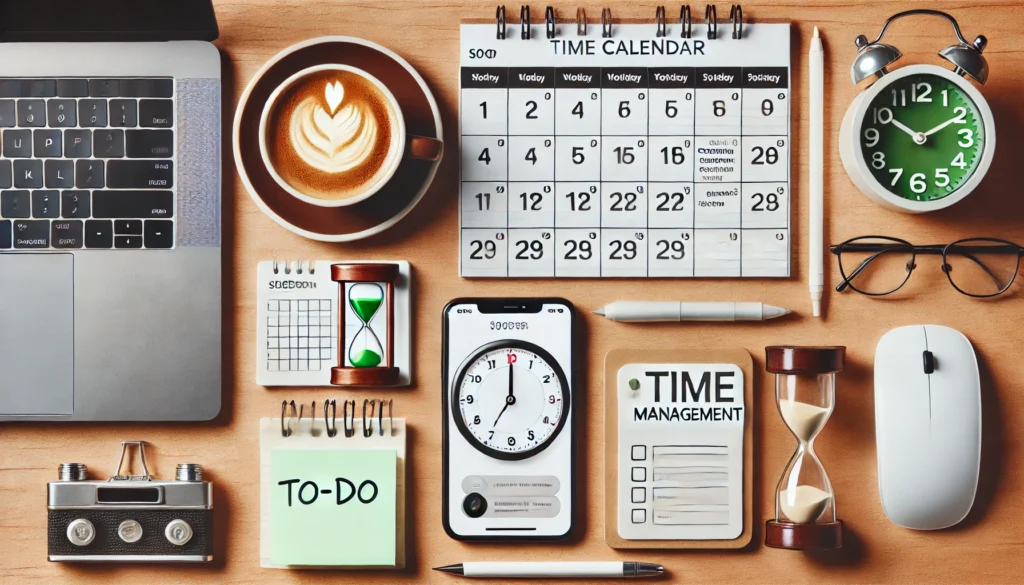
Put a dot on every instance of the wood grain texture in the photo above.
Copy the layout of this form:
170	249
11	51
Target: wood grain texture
987	548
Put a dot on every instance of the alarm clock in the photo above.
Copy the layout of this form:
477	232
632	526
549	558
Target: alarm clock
922	137
508	404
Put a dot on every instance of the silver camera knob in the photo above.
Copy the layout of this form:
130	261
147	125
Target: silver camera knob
81	532
130	531
72	472
178	532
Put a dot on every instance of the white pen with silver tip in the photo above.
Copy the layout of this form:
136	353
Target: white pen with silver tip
554	570
815	243
650	311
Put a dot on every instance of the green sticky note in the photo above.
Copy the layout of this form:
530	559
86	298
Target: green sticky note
333	508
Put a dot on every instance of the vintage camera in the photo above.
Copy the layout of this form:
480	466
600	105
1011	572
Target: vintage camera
130	518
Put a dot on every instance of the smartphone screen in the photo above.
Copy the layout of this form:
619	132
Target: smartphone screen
509	399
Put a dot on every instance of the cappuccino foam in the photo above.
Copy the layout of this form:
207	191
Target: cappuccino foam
329	135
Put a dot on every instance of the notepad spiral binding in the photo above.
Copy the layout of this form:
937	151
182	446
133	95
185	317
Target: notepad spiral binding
292	414
685	22
294	266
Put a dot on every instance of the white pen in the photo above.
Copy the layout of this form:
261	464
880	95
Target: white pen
554	570
815	243
676	311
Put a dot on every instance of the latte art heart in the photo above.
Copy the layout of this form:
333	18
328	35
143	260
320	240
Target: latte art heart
336	140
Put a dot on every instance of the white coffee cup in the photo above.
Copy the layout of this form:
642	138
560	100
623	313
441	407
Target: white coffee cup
400	145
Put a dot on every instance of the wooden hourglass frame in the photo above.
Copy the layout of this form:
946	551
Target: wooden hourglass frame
385	374
805	506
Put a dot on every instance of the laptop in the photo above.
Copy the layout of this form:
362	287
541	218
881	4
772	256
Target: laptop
110	210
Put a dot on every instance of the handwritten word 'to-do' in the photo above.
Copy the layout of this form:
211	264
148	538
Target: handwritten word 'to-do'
309	491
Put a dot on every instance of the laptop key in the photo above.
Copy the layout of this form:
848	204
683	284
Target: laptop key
92	113
104	88
59	174
31	234
47	143
45	204
159	233
89	174
127	241
15	204
73	88
147	88
133	204
67	234
77	143
10	88
5	174
5	235
128	227
28	174
74	204
38	88
140	174
99	233
8	119
17	143
124	113
156	113
62	113
149	143
108	143
32	113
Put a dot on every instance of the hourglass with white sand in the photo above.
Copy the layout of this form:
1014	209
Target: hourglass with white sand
805	507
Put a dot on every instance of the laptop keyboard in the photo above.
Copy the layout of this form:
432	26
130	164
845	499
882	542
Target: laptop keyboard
86	163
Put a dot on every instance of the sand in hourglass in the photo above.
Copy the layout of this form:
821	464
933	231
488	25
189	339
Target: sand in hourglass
803	504
366	308
804	419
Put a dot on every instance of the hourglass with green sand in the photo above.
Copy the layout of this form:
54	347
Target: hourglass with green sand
365	292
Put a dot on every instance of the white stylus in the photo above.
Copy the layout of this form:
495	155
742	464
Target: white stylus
815	242
676	311
552	570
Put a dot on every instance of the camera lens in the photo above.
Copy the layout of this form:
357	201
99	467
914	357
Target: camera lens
474	505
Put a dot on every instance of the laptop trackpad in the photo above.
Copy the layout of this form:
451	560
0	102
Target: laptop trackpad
37	334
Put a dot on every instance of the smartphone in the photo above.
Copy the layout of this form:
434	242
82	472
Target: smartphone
509	402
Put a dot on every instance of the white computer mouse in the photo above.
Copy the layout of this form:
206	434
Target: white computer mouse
927	425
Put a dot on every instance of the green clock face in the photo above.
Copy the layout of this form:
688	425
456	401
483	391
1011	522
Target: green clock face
922	137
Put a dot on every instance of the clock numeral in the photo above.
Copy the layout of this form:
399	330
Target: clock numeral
511	441
547	379
958	161
941	177
872	136
920	92
476	379
918	183
551	399
881	115
966	138
878	160
529	435
491	364
476	419
898	173
491	435
945	98
961	115
469	399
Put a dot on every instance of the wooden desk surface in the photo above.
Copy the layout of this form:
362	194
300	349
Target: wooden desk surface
988	547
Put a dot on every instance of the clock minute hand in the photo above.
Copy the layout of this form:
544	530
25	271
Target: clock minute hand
941	126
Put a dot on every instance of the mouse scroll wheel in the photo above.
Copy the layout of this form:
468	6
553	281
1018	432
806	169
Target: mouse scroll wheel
929	362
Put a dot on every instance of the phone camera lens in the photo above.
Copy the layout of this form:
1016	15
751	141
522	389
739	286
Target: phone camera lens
474	505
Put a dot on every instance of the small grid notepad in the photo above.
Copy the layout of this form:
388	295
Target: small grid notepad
300	336
638	155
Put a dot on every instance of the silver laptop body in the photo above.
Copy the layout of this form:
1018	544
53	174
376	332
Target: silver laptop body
117	325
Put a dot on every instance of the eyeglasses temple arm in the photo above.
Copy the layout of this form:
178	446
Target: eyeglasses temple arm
846	281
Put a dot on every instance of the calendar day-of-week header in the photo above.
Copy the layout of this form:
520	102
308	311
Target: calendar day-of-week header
625	77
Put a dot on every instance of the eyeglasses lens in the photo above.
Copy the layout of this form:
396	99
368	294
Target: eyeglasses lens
981	267
876	266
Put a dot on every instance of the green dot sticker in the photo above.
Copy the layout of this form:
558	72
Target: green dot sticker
634	384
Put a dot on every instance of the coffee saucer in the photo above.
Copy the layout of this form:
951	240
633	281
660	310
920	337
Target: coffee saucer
366	218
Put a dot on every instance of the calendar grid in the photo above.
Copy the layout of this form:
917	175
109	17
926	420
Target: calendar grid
577	168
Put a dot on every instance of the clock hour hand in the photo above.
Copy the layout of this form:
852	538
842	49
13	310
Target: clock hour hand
919	137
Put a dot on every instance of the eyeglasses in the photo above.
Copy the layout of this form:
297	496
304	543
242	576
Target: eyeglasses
879	265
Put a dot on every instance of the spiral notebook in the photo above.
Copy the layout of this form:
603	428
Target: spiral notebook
625	150
297	322
332	486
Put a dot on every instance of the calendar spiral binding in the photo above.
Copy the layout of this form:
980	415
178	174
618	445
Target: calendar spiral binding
292	415
294	266
661	28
